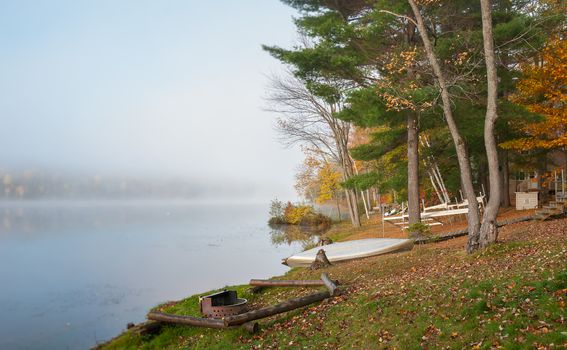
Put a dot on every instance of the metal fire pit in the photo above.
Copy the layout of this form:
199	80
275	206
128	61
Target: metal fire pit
221	304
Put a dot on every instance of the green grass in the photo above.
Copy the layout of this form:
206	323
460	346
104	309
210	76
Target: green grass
511	296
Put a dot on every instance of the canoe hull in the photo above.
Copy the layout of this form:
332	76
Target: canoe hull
350	250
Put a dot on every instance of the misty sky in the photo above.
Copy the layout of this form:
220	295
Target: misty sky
158	88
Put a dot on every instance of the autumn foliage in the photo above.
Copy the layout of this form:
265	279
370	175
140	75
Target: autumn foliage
543	91
295	214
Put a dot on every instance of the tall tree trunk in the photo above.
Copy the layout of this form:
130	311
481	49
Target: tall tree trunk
483	178
413	171
352	199
341	139
489	229
352	202
504	178
462	154
356	211
338	207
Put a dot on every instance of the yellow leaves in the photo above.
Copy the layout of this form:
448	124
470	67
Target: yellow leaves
454	335
401	79
317	179
293	214
426	2
462	58
329	180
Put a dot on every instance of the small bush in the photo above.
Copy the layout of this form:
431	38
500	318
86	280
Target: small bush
293	214
276	220
419	228
276	213
315	220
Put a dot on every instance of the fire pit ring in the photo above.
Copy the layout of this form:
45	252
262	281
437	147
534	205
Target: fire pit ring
221	304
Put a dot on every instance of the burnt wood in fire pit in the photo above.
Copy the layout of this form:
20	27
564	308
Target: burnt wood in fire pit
221	304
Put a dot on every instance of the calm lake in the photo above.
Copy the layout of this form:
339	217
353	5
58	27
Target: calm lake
74	274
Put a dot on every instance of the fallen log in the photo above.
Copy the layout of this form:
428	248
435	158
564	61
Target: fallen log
287	283
145	328
251	327
285	306
186	320
256	289
157	318
450	235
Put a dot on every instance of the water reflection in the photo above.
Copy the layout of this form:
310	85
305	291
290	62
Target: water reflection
74	274
38	217
289	234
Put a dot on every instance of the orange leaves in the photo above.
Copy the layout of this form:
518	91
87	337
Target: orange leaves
543	91
400	63
397	103
400	81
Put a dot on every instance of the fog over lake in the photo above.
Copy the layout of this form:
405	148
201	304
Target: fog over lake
75	273
146	90
136	160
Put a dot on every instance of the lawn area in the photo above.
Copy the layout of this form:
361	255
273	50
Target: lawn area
511	296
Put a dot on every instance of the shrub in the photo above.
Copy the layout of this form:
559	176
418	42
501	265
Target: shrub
293	214
419	228
276	209
315	220
276	220
276	213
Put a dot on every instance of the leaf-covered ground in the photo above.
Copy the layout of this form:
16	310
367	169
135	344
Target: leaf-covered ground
510	296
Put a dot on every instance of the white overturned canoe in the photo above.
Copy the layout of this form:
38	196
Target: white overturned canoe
349	250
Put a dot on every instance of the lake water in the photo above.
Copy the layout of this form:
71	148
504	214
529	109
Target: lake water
74	274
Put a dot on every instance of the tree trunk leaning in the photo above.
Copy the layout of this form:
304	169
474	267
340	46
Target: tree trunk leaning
473	216
348	172
489	229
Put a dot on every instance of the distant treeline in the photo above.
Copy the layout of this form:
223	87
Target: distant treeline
38	185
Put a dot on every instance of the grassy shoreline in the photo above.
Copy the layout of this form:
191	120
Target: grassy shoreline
511	295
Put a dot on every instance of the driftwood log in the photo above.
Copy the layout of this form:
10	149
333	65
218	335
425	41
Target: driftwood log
287	283
258	285
282	307
285	306
320	261
186	320
246	319
255	289
251	327
146	328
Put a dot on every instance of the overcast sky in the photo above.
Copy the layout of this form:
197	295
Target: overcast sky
163	88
